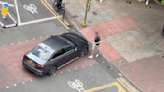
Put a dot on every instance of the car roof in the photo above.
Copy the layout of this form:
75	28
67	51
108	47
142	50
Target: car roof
55	42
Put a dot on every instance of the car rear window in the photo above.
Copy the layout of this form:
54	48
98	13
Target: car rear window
41	53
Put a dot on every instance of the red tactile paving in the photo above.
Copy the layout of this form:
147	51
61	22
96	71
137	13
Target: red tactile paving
12	71
146	73
107	29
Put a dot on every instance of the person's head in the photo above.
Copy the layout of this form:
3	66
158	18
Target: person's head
96	33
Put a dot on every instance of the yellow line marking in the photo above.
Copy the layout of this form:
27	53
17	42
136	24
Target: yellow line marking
120	89
123	80
53	14
54	11
124	85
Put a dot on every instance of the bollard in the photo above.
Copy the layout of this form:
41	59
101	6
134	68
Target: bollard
128	2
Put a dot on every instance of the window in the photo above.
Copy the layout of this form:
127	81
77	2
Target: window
60	52
68	48
41	53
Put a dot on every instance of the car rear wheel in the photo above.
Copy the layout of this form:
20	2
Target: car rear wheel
84	52
52	70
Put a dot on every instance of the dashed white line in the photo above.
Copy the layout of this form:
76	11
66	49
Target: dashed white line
7	87
15	84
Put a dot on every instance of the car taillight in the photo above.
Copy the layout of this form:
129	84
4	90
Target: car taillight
40	67
24	58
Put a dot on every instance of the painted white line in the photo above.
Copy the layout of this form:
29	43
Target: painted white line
15	84
32	8
61	72
16	7
4	45
31	80
97	63
7	87
12	18
69	70
19	42
33	38
40	37
36	21
23	82
26	40
90	65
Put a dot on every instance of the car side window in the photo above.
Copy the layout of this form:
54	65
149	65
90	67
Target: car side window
59	53
68	48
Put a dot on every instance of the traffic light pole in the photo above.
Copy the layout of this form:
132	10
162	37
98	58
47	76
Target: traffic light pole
86	11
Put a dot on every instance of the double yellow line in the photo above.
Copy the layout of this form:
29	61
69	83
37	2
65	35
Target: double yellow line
50	8
125	84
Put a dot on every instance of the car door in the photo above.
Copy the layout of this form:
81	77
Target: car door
58	58
70	53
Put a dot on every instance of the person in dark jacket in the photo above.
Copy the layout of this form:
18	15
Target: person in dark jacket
95	45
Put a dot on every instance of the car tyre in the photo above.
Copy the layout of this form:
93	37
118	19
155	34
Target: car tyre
84	52
52	70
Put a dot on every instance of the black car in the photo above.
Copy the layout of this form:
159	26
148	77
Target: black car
54	53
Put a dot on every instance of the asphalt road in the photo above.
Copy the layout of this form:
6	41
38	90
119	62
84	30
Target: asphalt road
95	75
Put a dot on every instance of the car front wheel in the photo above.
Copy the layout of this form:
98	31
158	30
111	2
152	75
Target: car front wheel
84	52
52	70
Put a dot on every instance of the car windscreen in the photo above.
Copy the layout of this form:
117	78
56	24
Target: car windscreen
41	53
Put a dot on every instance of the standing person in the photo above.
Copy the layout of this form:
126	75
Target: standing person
95	45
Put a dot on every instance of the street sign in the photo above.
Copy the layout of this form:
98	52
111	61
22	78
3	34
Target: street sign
4	10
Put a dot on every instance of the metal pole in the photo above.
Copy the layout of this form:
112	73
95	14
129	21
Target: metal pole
85	18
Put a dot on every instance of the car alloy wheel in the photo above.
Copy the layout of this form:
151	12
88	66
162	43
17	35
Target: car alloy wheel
52	70
84	52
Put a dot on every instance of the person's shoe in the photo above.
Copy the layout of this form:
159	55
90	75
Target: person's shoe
90	57
97	55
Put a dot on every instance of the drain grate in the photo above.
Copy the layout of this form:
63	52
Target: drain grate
75	16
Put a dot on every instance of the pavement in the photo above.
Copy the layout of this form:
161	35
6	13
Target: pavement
34	26
131	37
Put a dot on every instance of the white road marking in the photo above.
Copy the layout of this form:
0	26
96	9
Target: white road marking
36	21
68	70
60	32
90	65
7	87
19	42
33	38
83	66
26	40
47	35
4	45
32	8
12	43
31	80
76	85
103	61
40	37
54	74
23	82
15	84
17	11
75	68
61	72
